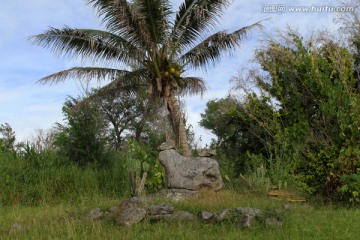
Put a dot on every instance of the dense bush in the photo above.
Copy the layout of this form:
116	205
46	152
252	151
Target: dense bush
301	122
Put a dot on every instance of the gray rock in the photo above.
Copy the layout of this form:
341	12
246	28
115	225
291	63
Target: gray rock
131	216
160	209
273	222
246	221
95	214
130	203
207	217
167	146
287	207
206	152
222	215
157	218
181	194
176	216
249	211
190	173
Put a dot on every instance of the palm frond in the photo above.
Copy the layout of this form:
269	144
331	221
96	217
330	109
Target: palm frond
84	73
155	14
193	86
123	18
211	49
129	82
88	44
194	18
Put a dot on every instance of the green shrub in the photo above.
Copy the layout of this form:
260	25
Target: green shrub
350	189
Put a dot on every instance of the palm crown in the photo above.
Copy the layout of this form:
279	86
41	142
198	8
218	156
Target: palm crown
146	44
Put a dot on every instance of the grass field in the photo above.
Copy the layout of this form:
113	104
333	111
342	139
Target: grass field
67	221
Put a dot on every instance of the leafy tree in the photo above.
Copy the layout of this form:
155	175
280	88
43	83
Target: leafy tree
157	44
127	114
216	120
83	138
238	131
7	139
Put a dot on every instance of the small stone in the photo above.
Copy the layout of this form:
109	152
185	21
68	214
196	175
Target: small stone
246	221
167	146
206	153
95	214
130	203
131	216
287	207
222	215
160	209
181	194
249	211
273	222
207	217
176	216
157	218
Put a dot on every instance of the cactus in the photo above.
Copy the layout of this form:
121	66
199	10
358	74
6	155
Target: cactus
134	168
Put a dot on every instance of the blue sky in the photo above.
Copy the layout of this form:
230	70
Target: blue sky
28	106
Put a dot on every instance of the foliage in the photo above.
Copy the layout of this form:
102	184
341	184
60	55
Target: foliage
241	128
83	138
318	107
142	160
127	115
301	121
258	180
349	190
7	139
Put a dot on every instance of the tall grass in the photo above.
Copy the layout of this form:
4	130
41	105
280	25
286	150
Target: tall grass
44	178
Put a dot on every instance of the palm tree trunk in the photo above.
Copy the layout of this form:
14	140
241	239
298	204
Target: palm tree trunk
179	123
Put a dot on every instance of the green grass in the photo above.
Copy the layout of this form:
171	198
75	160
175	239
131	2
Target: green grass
67	221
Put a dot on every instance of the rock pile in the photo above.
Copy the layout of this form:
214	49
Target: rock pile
128	214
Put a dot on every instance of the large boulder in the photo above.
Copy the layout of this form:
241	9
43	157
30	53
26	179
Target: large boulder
191	173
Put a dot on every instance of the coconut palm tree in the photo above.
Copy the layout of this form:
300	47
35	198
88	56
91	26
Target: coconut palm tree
146	44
